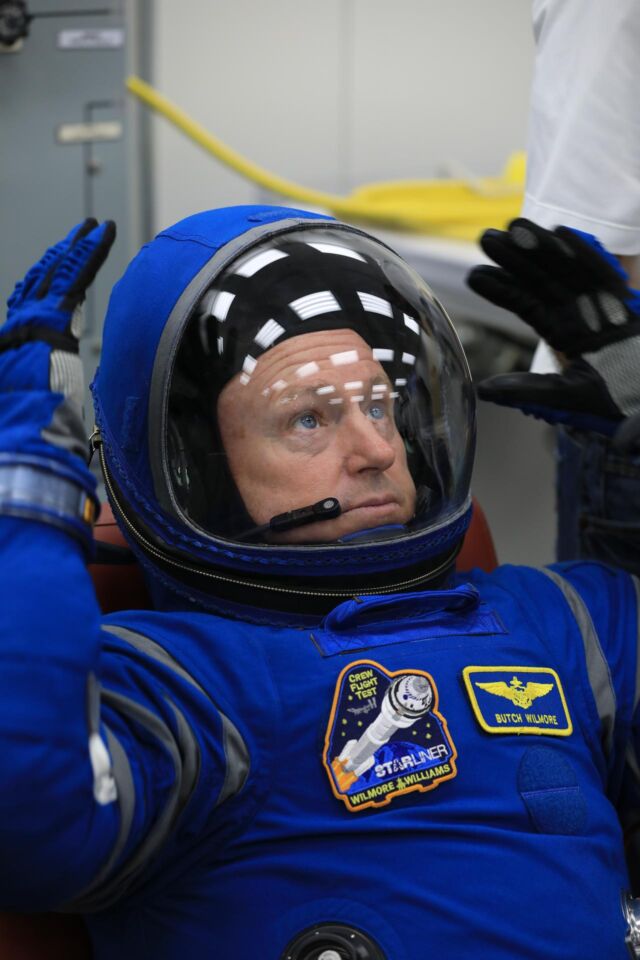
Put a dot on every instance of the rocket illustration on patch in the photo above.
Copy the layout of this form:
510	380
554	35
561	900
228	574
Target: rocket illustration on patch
385	736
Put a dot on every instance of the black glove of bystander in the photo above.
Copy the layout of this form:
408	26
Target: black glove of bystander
575	295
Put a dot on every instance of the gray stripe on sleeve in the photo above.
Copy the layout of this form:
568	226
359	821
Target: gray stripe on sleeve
105	890
126	795
153	650
183	748
191	758
126	804
93	703
99	895
238	763
597	666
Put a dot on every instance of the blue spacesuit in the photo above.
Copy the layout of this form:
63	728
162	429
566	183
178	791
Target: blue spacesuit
319	745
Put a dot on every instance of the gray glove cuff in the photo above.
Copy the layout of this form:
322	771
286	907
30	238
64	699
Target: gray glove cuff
619	366
35	488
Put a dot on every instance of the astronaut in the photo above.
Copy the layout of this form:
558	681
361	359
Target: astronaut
319	744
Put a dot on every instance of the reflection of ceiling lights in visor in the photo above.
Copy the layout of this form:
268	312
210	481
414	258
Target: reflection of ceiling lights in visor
407	699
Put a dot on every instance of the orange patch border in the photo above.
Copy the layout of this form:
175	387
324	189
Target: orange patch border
414	788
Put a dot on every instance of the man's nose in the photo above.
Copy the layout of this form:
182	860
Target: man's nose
367	447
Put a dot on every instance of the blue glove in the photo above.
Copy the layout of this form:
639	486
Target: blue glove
43	448
574	294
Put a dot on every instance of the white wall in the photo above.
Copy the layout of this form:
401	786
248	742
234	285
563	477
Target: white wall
335	93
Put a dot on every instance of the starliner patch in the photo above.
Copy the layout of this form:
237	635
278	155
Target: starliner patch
518	700
385	736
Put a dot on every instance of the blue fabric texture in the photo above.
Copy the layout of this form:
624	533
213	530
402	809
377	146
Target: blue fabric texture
353	624
550	789
286	844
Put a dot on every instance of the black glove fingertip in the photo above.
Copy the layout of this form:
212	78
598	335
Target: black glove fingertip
110	232
477	276
85	228
494	388
78	289
491	240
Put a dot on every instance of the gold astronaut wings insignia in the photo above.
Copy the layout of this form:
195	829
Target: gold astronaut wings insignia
516	691
518	699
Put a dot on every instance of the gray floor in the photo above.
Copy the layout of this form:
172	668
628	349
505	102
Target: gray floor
514	481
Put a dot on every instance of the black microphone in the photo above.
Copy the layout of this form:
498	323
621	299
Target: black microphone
325	509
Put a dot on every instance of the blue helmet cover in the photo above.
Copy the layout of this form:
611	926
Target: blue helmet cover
162	279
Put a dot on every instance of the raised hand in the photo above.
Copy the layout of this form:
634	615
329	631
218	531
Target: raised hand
45	307
574	294
43	448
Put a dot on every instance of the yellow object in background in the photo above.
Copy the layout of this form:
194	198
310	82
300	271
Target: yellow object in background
459	209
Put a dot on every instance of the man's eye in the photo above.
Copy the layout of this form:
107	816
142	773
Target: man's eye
377	411
307	420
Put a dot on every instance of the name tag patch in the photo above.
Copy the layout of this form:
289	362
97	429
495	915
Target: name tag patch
518	700
385	736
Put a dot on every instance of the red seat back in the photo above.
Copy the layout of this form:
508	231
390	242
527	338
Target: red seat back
44	936
118	586
478	549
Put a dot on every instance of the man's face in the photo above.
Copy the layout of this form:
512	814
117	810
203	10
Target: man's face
315	420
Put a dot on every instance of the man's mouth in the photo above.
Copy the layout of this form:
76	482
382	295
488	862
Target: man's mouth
373	503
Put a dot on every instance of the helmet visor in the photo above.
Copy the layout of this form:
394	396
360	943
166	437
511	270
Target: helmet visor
317	366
